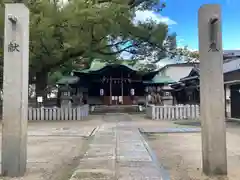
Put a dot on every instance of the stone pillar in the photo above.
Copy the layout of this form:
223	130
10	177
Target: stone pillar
212	91
15	90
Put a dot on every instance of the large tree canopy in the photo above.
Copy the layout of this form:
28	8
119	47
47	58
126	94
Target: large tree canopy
80	30
189	55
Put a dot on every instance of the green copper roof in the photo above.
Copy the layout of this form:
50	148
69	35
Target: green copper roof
98	65
158	79
68	80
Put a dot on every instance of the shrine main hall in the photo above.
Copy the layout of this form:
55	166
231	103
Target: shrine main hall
115	84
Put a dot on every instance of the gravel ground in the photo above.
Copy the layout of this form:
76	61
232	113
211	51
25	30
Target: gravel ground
180	154
55	148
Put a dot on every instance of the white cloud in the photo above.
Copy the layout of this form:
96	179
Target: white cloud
143	16
150	15
181	43
180	40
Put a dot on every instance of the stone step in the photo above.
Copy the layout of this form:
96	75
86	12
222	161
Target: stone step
120	108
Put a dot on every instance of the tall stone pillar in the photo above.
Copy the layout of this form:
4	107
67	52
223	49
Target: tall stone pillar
212	91
15	90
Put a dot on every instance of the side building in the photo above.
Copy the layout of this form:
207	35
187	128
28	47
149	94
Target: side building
187	90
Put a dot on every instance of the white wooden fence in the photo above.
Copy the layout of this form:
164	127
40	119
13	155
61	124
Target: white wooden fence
74	113
173	112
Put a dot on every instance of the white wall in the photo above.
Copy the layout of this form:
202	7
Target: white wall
177	72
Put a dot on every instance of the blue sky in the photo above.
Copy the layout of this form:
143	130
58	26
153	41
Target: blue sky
181	15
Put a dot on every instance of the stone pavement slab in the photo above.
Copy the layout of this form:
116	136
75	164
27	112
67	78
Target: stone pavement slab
170	130
80	131
99	161
117	152
133	159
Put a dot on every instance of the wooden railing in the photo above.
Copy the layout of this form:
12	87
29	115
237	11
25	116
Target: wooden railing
74	113
173	112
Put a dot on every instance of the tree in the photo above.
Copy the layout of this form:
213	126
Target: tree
147	67
96	29
194	55
63	34
190	56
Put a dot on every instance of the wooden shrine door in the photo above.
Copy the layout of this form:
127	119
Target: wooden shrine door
116	92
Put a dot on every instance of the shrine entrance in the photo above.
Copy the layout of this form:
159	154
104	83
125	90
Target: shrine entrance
117	91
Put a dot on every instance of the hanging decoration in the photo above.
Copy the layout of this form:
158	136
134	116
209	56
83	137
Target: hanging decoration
132	92
101	92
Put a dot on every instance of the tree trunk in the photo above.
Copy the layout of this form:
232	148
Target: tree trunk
41	84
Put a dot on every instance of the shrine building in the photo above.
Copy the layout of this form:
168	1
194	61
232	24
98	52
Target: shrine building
115	84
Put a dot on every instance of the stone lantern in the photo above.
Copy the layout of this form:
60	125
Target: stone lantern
65	98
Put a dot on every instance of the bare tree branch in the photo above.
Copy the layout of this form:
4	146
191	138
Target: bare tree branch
116	52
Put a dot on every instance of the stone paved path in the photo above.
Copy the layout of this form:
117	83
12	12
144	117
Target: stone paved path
117	152
170	130
82	131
